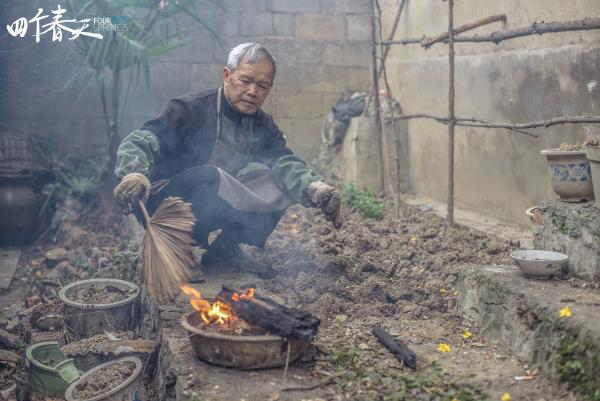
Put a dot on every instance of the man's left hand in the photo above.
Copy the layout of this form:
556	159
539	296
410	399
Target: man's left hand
328	199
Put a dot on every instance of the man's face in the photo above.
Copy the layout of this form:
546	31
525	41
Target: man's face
247	87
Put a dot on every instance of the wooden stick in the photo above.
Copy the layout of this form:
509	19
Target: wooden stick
472	122
387	179
375	93
426	43
450	204
387	48
537	28
287	359
322	383
396	347
383	70
144	212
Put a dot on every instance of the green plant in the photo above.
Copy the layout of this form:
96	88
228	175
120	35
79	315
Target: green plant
362	201
80	176
152	31
344	356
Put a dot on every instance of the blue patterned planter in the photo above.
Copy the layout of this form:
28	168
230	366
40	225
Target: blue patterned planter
593	155
571	174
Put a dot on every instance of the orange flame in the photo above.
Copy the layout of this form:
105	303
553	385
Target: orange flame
217	312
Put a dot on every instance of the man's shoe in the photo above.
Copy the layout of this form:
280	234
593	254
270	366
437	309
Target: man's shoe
225	254
197	275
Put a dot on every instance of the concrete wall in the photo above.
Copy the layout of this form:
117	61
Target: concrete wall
498	172
321	47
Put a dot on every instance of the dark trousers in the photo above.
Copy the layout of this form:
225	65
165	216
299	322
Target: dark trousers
200	186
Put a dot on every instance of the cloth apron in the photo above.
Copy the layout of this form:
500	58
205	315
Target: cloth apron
254	191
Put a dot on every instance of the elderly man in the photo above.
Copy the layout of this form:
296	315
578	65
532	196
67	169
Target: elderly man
219	151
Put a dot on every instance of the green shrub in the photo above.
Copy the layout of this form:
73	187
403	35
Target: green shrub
362	201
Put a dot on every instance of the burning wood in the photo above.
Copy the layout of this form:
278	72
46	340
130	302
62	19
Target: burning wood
246	313
268	314
218	315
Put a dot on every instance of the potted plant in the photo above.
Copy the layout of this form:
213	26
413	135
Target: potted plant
592	152
570	172
115	380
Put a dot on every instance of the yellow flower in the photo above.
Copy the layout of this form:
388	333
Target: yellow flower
443	291
414	238
467	334
443	347
565	312
454	399
506	397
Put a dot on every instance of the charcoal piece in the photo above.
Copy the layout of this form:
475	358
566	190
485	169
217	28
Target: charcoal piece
396	347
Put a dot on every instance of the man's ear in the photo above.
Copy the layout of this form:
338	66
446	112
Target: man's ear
226	73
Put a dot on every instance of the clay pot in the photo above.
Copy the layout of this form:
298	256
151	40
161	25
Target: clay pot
85	320
19	207
131	389
571	174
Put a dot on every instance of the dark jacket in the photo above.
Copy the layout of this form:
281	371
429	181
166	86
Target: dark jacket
186	131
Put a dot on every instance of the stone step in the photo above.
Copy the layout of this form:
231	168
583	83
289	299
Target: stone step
574	229
525	315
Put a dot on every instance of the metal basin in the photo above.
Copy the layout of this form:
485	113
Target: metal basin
540	264
242	352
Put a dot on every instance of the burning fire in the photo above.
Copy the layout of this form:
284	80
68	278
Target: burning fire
217	312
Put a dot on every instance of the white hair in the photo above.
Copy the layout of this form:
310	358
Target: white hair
249	53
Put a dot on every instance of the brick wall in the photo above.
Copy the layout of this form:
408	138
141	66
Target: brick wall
322	48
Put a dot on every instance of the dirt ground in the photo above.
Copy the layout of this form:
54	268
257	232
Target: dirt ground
397	273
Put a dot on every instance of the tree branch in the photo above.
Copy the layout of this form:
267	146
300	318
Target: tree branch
426	43
386	50
518	127
537	28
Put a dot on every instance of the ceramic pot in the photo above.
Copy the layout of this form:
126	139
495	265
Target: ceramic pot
593	155
571	174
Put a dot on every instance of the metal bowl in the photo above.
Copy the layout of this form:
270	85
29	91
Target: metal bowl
540	264
242	352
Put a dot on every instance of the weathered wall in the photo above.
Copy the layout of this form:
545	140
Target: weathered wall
498	172
321	47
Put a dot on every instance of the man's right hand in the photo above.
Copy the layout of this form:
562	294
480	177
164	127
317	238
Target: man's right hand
132	188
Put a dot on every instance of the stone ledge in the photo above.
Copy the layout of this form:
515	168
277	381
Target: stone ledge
574	229
524	315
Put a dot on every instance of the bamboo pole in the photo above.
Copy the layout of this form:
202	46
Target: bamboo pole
450	205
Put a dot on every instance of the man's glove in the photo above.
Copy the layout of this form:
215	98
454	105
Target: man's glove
328	199
132	188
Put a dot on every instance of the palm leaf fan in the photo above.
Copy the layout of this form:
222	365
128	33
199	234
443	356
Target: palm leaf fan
168	248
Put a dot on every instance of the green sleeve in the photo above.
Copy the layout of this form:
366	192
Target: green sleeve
293	176
136	153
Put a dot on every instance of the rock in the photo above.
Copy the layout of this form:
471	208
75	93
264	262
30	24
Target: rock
71	235
8	340
8	356
61	271
32	301
55	256
3	321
